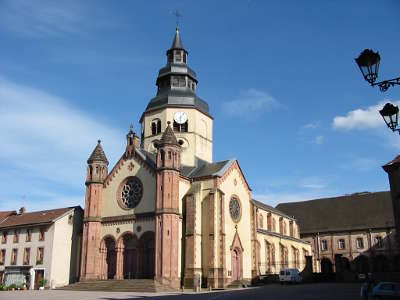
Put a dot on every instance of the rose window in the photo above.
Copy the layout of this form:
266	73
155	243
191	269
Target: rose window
131	193
234	209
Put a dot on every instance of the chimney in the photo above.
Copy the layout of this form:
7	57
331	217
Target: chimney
22	210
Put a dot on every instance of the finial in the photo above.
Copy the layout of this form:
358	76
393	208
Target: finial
131	127
98	141
168	123
177	15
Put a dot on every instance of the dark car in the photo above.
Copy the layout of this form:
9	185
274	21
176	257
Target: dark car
386	290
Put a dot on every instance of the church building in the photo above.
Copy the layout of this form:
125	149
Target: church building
168	212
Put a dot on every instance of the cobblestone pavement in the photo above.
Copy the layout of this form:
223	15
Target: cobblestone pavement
327	291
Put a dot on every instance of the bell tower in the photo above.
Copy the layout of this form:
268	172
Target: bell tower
167	209
177	102
96	173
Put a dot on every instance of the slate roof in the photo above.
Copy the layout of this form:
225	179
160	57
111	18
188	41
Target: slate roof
177	98
37	217
98	154
350	212
211	169
270	208
177	42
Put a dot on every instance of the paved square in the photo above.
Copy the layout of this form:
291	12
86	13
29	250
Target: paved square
326	291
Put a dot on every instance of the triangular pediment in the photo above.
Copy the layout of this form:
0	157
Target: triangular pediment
237	243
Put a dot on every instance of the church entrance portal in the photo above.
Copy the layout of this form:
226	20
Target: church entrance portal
137	256
236	264
109	258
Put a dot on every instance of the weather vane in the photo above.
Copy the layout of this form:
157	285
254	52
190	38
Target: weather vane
177	14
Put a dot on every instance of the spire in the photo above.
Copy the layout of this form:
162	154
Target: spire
98	154
177	42
168	136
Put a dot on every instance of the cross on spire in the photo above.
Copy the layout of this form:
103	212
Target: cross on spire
177	15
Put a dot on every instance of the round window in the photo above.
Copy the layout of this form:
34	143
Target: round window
234	209
131	192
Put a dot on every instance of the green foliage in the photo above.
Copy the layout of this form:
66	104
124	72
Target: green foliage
12	286
2	287
42	282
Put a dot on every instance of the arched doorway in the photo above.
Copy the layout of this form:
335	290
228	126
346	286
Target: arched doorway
130	256
345	264
236	264
146	255
109	258
326	265
361	264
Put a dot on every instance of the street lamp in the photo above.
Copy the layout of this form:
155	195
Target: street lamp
368	62
390	114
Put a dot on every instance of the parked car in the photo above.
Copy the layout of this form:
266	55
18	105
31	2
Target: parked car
289	275
386	290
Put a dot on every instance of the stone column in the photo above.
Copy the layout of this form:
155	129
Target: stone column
119	274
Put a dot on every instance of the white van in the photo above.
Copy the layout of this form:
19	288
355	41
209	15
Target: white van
289	275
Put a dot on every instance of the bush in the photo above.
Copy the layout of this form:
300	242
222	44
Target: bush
42	282
2	287
12	286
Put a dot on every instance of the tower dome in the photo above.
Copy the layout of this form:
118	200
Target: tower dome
177	82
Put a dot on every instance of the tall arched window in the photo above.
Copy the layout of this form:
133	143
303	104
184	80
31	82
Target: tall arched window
260	221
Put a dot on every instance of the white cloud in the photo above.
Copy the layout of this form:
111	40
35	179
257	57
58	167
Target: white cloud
47	18
319	139
362	118
46	139
250	103
312	125
312	182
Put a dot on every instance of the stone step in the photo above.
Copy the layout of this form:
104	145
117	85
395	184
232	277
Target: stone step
132	285
237	284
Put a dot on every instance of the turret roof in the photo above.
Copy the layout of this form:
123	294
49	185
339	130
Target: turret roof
98	154
177	42
168	136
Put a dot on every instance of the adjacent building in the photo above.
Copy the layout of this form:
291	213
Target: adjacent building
40	245
357	231
278	240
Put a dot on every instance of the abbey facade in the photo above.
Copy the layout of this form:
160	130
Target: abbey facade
167	211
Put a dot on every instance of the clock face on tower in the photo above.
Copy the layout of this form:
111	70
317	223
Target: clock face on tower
180	117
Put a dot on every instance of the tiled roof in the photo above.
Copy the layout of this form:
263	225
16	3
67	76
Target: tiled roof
5	214
98	154
350	212
37	217
392	164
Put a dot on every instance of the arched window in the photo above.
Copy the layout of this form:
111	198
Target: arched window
181	127
155	126
260	221
378	242
269	222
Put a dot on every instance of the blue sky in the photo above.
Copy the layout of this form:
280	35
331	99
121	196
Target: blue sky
279	76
